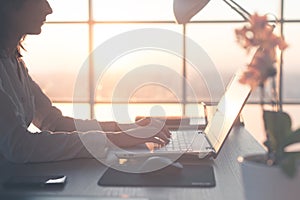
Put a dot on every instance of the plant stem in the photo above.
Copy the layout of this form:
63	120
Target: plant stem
262	103
262	95
275	102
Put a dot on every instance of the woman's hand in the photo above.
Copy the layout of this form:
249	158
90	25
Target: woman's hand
145	130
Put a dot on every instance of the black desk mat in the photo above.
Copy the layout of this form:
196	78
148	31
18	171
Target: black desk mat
190	176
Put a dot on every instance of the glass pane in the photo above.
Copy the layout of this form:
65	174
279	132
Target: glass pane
143	65
195	110
291	10
294	112
55	57
136	10
77	110
291	70
69	10
145	75
105	32
219	10
126	113
225	53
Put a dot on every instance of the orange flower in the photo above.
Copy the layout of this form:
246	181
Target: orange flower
258	22
251	77
259	35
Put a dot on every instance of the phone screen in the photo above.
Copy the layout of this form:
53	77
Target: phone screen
35	181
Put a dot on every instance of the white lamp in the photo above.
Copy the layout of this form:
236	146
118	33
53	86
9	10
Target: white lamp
184	10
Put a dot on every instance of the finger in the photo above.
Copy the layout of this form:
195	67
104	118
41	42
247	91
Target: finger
157	141
163	137
162	126
167	132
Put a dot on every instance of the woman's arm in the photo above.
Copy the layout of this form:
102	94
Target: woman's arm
48	117
19	145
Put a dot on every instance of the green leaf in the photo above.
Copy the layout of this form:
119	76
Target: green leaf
267	143
292	138
288	163
278	128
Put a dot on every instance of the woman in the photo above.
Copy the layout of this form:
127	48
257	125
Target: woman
22	102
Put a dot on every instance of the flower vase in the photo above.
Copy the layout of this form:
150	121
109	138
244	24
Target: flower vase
263	182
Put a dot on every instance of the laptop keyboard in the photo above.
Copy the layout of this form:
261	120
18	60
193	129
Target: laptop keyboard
180	141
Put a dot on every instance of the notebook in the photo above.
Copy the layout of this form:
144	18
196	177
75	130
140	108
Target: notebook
204	143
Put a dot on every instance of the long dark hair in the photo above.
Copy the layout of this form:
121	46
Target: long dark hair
4	4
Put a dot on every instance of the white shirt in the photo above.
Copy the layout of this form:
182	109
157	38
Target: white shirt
22	102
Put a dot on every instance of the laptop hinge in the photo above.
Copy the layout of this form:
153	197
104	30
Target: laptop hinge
210	145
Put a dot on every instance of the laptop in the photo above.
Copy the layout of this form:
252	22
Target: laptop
205	143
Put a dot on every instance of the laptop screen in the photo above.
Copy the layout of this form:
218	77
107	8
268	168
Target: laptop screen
227	111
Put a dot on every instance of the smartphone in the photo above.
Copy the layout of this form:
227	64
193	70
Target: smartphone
53	181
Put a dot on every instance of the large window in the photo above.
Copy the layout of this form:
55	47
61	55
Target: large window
139	80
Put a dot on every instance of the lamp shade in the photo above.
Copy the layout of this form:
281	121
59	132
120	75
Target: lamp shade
184	10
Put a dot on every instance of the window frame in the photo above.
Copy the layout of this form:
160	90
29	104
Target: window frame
91	23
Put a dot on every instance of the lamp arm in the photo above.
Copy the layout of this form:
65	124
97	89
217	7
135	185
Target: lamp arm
239	9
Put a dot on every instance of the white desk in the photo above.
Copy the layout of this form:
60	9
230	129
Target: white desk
83	175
